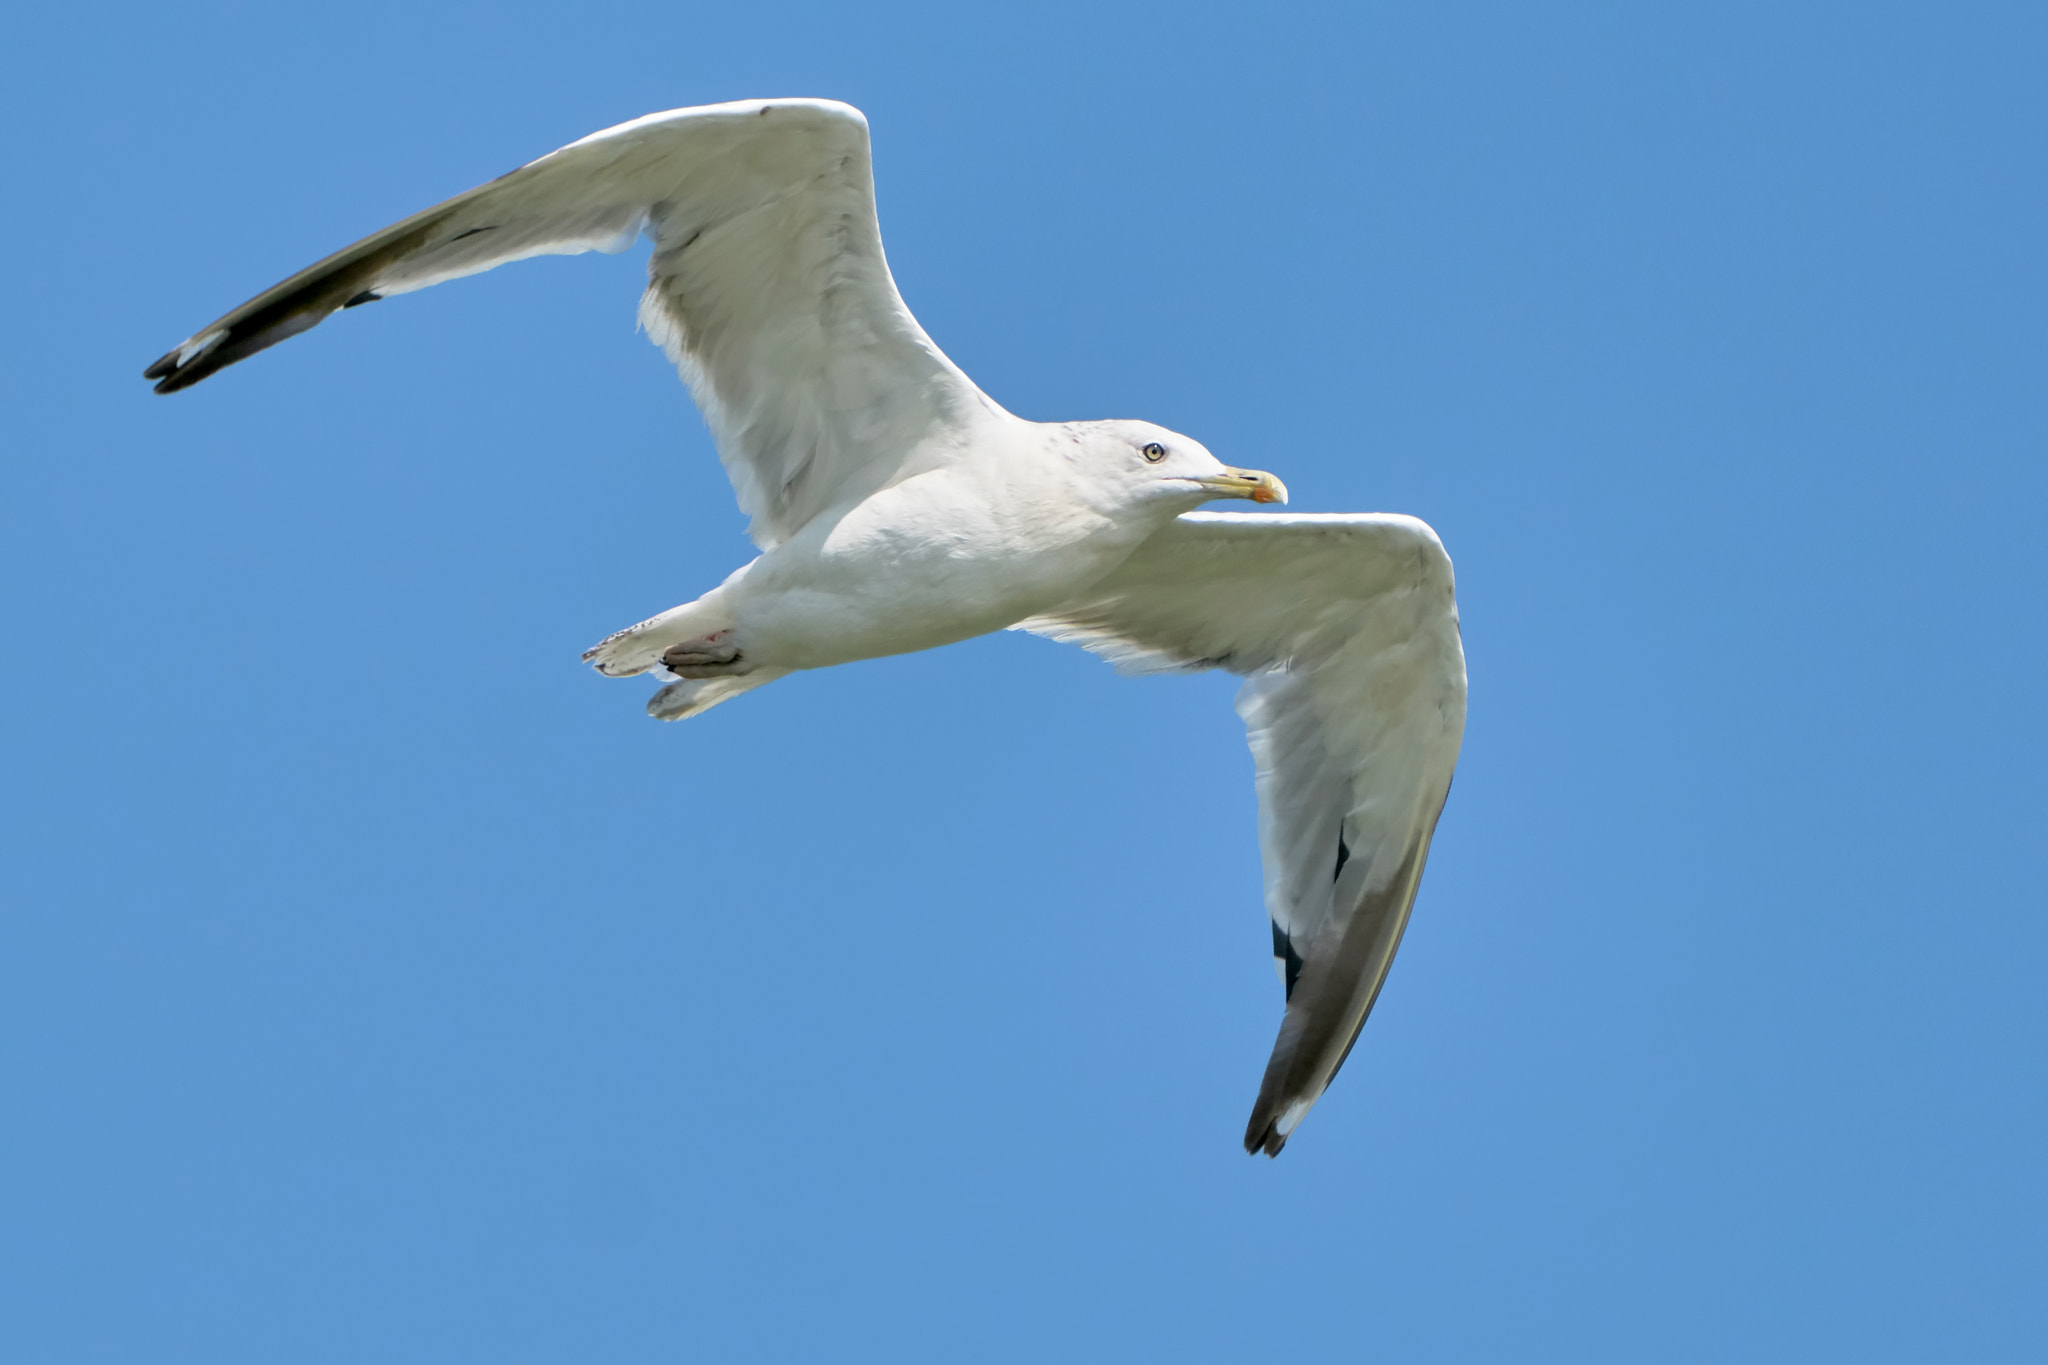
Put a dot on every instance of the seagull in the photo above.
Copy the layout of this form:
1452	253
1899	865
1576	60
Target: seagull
897	507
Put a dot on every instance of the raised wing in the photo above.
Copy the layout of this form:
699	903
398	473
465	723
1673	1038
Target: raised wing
767	288
1354	701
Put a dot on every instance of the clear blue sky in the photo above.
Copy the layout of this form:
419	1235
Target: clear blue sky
377	984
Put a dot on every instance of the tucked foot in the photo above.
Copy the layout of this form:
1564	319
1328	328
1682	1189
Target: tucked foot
709	656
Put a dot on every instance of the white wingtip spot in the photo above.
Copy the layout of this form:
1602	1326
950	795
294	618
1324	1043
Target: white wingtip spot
200	345
1292	1115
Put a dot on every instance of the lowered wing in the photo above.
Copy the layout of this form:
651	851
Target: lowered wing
1346	629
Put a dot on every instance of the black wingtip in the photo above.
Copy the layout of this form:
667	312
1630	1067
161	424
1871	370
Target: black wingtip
171	377
239	340
292	307
173	373
1263	1137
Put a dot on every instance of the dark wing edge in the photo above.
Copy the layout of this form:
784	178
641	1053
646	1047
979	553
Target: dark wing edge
301	302
1329	1000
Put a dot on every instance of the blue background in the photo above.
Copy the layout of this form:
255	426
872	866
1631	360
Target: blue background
376	983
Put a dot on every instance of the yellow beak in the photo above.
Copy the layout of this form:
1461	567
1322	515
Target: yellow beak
1255	484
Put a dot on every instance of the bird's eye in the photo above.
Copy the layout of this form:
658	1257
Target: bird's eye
1153	451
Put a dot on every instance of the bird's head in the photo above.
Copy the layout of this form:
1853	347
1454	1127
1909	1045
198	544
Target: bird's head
1152	466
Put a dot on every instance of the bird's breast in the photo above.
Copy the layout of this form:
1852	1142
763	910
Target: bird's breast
927	562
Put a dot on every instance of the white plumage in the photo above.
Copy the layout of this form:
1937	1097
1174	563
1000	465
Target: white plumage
899	508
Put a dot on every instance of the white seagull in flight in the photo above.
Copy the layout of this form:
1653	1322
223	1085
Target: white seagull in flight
897	507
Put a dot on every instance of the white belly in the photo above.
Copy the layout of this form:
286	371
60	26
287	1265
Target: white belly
930	561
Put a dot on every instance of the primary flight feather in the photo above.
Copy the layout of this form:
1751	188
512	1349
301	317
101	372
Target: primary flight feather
897	508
